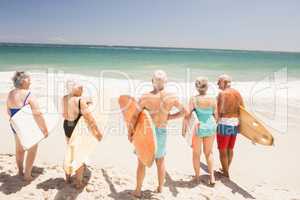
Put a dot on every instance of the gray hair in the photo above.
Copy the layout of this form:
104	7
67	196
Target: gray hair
159	78
201	84
19	77
226	78
72	84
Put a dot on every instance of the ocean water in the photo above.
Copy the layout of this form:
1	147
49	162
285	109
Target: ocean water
140	62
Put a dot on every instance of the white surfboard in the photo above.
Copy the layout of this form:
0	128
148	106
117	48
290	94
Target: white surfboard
81	145
26	127
193	124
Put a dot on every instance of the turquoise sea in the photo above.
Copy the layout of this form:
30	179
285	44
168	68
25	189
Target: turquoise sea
139	62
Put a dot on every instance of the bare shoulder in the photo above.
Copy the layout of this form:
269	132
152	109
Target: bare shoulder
145	97
32	98
10	93
235	92
171	99
220	94
170	95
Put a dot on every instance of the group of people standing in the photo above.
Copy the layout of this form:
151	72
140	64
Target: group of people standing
218	117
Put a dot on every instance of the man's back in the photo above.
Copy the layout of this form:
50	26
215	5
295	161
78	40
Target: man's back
229	102
159	105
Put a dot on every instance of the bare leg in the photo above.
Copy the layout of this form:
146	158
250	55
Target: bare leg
79	177
31	154
197	147
224	161
140	175
208	145
230	156
19	156
161	172
68	176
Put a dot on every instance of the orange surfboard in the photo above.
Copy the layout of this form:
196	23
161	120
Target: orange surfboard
253	129
144	138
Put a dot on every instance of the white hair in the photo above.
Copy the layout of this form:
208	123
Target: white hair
201	84
226	78
72	84
159	78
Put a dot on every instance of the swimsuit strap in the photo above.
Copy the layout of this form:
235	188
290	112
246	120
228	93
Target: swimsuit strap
26	99
79	107
197	103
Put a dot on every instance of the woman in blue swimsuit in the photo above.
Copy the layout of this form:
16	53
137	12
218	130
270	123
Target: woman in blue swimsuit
206	110
17	98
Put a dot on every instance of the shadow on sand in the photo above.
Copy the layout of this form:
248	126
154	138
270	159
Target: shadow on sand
125	194
12	184
65	191
235	188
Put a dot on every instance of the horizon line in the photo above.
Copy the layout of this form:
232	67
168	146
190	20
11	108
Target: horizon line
141	46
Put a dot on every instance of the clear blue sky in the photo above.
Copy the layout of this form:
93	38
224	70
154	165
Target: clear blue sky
233	24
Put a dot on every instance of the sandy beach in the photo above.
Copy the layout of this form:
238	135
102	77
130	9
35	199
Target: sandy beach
257	172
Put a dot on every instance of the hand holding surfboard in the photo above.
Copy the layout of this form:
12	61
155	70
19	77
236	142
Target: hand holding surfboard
189	128
141	127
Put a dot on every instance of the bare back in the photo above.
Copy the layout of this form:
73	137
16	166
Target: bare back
70	107
159	105
204	102
229	102
16	98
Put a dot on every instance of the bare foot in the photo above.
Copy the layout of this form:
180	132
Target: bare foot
68	179
78	185
136	194
158	190
196	179
226	174
21	173
28	178
212	181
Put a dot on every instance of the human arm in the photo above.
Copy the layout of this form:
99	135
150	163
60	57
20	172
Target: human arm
215	106
88	116
219	103
187	116
38	115
179	106
7	107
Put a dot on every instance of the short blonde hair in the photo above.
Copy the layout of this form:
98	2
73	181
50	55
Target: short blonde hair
201	84
19	77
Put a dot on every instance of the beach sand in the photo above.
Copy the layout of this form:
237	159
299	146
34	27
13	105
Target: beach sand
257	172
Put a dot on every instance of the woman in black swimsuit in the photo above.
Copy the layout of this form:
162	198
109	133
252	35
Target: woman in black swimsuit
69	126
75	107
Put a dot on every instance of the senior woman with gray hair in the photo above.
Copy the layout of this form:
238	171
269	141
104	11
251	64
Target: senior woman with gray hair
74	107
18	98
207	114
